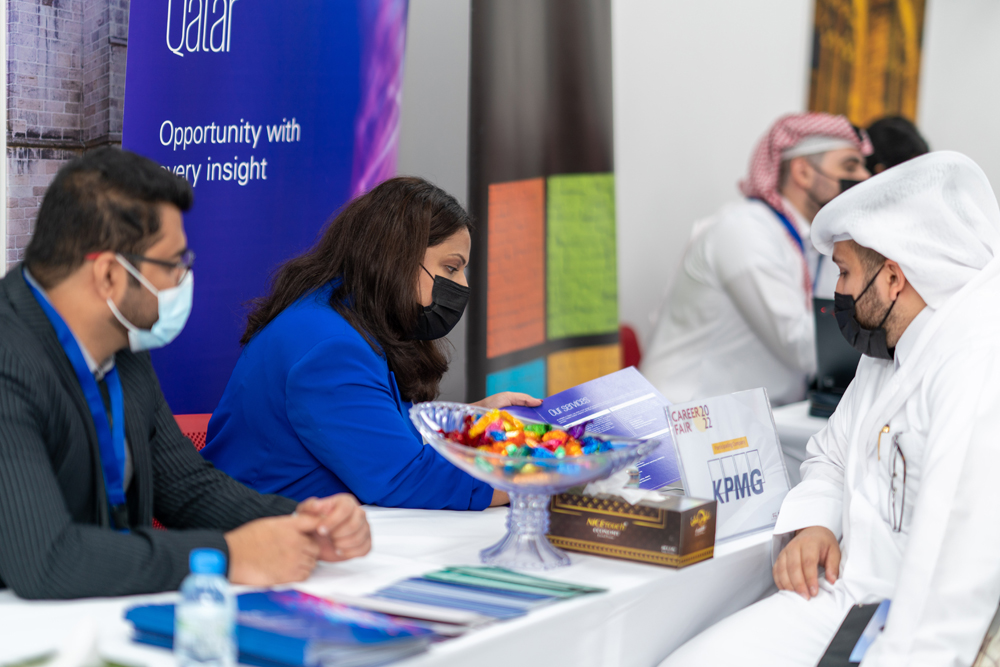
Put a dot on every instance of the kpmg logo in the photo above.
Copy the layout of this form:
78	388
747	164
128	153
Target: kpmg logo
736	477
199	25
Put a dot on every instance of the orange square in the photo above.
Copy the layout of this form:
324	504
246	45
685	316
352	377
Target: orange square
515	295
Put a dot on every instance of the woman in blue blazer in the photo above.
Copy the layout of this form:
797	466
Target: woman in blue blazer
344	343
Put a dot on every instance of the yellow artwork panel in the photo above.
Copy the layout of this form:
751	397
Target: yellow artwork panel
569	368
866	58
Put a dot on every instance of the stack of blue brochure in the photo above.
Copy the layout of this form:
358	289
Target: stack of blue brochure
293	629
489	591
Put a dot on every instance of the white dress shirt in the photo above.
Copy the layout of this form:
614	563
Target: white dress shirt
738	315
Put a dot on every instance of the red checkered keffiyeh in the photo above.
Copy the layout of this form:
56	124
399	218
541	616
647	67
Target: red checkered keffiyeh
786	133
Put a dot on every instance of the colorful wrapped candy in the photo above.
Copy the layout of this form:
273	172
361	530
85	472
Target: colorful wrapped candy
499	432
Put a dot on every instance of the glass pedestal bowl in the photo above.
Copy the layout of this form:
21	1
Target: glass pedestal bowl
530	481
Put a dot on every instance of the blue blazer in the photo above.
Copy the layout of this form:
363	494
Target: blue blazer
312	410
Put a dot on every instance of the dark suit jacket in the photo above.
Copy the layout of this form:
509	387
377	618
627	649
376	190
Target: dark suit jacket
55	535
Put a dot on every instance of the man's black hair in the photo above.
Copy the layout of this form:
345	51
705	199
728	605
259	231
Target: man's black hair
895	140
105	200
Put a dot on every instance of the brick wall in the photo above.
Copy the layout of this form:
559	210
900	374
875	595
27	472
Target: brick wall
65	90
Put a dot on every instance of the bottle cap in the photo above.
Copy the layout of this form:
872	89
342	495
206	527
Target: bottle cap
207	561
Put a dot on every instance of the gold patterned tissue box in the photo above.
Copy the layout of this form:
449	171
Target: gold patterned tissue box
675	531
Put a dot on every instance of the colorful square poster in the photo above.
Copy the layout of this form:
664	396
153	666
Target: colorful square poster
581	271
515	306
569	368
527	378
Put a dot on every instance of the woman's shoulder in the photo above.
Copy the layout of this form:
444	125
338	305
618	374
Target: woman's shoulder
310	321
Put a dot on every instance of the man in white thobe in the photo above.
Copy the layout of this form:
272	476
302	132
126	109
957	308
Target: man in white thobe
899	496
738	314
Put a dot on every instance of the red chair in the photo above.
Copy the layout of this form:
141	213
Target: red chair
195	428
631	354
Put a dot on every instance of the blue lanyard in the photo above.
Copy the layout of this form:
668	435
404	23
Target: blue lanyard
111	437
790	228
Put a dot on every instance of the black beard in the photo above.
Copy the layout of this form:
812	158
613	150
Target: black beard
133	310
869	319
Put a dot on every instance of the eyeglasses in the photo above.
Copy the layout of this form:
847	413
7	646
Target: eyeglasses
897	485
182	266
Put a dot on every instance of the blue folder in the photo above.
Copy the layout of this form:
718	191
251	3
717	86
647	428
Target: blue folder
293	629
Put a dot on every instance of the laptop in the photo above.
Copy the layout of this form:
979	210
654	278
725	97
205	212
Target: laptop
836	361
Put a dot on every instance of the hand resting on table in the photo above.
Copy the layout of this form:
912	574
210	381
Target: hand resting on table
283	549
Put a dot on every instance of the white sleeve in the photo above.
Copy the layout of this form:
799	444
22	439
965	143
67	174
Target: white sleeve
818	500
949	582
765	283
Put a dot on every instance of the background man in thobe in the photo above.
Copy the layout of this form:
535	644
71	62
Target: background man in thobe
738	314
899	498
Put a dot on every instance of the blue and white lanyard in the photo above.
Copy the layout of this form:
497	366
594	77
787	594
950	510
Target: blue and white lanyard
794	233
110	436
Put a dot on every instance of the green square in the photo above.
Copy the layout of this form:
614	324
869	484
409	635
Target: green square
582	265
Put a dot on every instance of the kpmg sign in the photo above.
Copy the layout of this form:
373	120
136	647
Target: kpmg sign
729	452
276	113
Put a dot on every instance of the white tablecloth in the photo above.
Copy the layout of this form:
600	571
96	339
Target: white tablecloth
795	427
647	612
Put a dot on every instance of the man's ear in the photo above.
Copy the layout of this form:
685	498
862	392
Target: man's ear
109	277
800	173
897	280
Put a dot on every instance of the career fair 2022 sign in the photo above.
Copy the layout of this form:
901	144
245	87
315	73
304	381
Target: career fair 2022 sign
277	113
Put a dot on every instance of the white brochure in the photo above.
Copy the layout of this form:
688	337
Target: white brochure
728	450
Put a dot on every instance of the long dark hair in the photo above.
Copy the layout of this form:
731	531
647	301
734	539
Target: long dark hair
375	245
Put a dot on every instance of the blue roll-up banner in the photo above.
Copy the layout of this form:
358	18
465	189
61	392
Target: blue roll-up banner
277	113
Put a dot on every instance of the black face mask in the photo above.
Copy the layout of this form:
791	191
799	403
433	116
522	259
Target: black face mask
448	300
871	342
845	185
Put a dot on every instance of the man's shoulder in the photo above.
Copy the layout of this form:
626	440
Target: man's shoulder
741	233
16	337
747	217
738	223
136	368
968	332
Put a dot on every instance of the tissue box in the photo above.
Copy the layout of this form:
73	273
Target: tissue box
675	531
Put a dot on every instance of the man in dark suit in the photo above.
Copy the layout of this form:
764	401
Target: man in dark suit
89	449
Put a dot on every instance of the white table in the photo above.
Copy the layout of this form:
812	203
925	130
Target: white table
795	426
647	612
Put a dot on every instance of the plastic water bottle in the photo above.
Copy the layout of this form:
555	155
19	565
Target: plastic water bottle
205	618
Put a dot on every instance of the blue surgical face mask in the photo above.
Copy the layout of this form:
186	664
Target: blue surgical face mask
173	305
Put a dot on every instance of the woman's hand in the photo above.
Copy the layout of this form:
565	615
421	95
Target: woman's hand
499	498
505	399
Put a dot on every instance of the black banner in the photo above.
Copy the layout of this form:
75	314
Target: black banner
543	314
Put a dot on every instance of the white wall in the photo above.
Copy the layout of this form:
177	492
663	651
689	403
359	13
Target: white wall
434	121
696	84
959	103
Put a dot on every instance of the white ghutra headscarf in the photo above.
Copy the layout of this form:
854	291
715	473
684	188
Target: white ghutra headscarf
935	215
